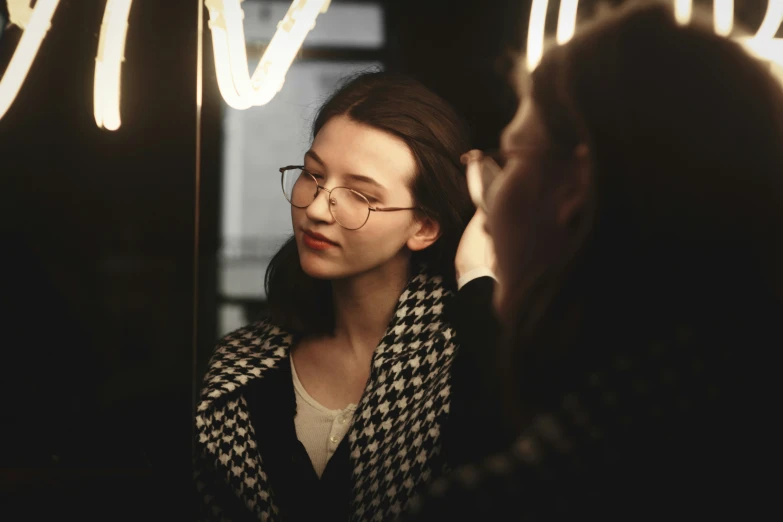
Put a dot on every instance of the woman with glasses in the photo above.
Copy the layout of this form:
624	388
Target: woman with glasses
637	228
340	405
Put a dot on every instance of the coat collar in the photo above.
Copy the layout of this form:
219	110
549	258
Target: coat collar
248	353
242	356
394	439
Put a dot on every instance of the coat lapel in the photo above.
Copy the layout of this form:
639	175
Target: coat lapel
395	436
395	439
225	433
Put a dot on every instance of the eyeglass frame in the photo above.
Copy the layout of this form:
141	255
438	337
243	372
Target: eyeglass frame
329	191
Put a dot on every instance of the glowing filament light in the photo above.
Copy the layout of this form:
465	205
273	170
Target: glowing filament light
683	11
763	44
723	15
566	20
35	24
535	33
772	19
238	88
108	64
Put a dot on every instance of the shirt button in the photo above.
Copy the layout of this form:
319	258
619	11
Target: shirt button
333	439
342	420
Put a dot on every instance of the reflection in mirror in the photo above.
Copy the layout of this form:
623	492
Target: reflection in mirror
255	218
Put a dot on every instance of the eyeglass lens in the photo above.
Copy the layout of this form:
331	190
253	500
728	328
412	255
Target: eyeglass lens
350	209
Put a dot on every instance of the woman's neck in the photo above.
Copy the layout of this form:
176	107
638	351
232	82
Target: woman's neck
364	305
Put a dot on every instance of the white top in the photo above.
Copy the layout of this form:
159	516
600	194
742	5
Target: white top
470	275
318	428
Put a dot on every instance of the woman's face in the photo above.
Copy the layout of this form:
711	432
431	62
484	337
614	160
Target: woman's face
524	205
381	167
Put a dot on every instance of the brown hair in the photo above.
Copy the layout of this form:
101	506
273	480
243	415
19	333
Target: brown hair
437	136
685	132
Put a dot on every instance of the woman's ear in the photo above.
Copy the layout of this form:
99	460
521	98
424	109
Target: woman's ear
574	187
427	231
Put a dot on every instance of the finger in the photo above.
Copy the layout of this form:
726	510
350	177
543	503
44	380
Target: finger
473	175
471	155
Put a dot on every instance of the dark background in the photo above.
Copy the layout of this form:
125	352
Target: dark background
103	340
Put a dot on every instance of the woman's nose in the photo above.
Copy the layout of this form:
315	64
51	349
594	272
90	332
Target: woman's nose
319	209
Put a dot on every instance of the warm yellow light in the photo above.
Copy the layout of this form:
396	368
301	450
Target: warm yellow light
35	24
239	89
772	19
223	70
108	64
683	11
763	44
723	16
566	20
769	49
535	33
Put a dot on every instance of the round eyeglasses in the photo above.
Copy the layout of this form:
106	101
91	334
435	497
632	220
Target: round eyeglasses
349	208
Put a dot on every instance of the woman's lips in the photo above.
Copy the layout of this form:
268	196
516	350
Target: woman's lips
316	241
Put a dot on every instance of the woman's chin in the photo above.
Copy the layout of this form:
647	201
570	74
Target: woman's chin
317	268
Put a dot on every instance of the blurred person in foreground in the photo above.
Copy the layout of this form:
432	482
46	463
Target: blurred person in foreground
637	226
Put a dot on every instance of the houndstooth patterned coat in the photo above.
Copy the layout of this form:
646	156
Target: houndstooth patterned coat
395	438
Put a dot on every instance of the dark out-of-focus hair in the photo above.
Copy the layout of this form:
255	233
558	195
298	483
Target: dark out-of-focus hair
685	133
437	136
